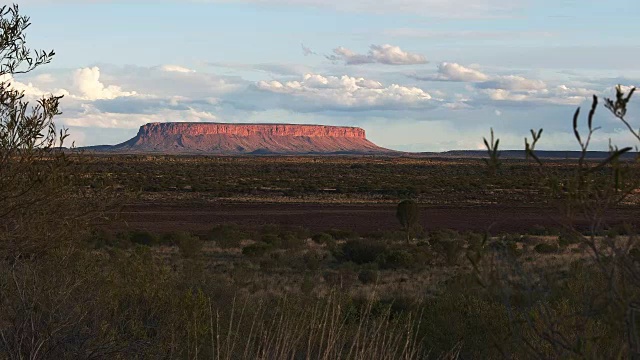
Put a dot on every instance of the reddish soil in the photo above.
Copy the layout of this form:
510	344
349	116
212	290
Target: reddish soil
198	217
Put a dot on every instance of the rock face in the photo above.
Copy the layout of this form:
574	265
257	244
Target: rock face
224	138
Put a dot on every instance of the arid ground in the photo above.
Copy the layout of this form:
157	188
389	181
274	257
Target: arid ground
193	193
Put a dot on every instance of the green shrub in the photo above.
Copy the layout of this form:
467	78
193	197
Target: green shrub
271	239
342	234
567	239
257	249
360	251
189	246
448	244
173	238
546	248
292	240
226	235
142	237
368	276
312	259
396	259
322	238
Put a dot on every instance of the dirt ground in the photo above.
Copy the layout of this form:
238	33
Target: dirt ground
199	217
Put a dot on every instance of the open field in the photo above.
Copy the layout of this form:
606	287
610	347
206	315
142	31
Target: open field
208	249
193	193
199	217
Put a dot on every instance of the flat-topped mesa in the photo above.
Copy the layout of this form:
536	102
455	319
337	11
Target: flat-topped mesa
225	138
195	129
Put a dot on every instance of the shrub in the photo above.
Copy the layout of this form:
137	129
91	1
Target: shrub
312	259
360	251
368	276
257	249
322	238
408	214
567	239
173	238
342	234
189	246
226	235
143	237
448	244
546	248
397	259
292	240
271	239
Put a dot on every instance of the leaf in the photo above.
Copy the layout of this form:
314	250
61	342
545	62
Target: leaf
593	111
575	125
616	154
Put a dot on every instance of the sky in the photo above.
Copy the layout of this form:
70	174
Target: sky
417	75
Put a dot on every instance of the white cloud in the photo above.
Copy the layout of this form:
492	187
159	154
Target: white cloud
87	82
45	78
28	89
347	92
176	68
513	83
505	95
456	72
560	95
90	116
381	54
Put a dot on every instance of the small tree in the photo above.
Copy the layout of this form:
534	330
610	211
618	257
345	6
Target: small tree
408	215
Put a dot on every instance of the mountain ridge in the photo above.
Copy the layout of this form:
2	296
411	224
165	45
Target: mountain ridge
238	138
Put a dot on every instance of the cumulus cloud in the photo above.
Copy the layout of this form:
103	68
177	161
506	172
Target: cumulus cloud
559	95
455	72
347	92
513	83
91	116
176	68
28	89
381	54
87	82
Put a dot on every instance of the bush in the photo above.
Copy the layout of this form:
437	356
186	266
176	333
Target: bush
189	246
397	259
142	237
271	239
257	249
292	240
342	234
226	235
361	251
173	238
567	239
546	248
368	276
448	244
312	259
322	238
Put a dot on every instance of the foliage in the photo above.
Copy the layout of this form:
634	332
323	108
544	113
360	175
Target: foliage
408	214
226	235
606	281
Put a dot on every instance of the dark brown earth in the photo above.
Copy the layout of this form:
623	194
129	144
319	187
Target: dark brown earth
198	217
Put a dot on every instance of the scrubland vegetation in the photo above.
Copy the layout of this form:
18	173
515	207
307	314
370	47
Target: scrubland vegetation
73	287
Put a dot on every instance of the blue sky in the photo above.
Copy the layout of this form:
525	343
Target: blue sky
419	75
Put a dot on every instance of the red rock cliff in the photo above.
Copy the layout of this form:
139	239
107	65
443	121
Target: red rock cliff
194	129
221	138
